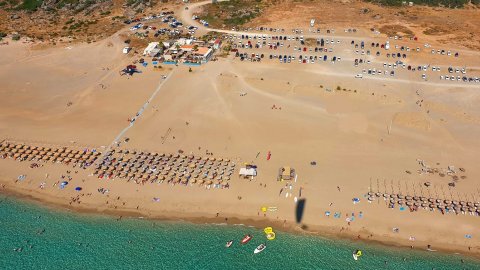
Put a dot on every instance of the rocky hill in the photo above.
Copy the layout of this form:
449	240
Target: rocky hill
60	20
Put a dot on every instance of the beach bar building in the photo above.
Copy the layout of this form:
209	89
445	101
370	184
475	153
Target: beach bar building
203	54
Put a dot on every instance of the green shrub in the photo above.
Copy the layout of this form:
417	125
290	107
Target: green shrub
30	5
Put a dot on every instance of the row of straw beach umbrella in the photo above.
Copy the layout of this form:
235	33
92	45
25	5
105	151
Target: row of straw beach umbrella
24	152
415	202
143	167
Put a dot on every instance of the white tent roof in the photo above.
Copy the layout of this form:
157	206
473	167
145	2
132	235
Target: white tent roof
248	172
151	46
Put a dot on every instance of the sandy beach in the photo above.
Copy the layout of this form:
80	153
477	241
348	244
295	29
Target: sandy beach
344	136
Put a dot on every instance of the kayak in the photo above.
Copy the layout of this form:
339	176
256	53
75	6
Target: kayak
229	243
246	239
260	248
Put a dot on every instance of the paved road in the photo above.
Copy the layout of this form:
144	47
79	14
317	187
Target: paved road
186	18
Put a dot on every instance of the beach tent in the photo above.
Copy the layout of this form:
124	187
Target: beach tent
248	172
78	188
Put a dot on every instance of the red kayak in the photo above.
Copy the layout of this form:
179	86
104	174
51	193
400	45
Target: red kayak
246	239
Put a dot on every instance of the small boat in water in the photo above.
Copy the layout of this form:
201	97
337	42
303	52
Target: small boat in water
229	244
357	254
260	248
246	239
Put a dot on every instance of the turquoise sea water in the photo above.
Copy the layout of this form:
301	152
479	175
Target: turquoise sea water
80	241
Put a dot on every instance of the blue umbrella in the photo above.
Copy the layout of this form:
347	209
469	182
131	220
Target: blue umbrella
78	188
64	183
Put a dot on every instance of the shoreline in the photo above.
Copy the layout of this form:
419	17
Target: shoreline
327	232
